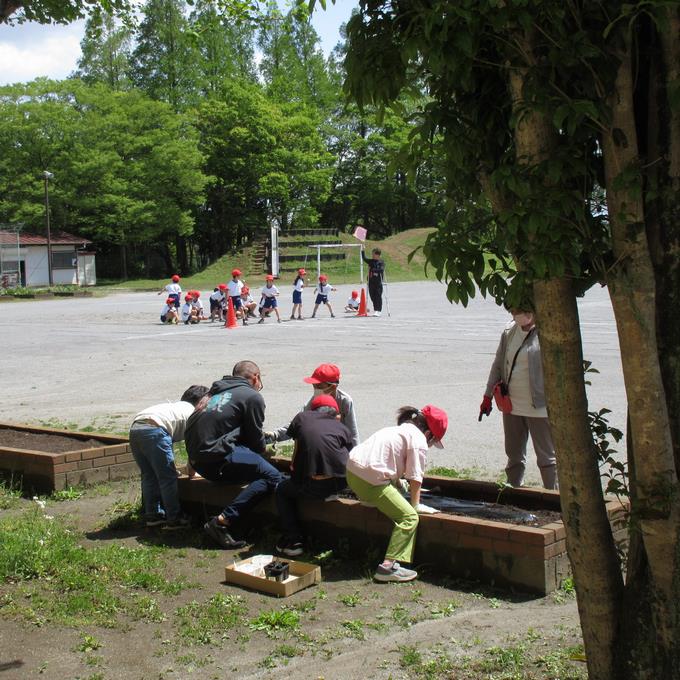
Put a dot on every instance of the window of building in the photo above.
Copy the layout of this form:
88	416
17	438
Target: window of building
64	259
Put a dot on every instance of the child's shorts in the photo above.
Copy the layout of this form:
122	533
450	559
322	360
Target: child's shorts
236	299
321	300
297	297
175	299
163	318
215	305
270	303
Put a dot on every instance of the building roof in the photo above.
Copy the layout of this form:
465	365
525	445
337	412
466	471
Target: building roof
58	238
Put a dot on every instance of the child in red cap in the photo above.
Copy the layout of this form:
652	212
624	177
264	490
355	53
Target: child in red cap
173	290
268	300
377	465
323	290
235	286
298	285
353	302
248	305
217	300
169	311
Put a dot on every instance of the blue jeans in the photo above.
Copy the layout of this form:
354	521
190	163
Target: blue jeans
290	490
242	466
152	449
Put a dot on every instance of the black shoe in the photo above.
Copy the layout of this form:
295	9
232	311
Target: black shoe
290	548
220	534
261	320
182	522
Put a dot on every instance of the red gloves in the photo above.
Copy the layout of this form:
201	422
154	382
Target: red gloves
485	407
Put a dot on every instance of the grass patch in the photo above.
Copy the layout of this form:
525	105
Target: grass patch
433	668
10	492
354	629
351	600
68	494
124	515
276	620
454	473
207	623
60	580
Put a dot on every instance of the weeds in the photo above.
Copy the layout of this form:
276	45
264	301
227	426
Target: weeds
10	492
354	629
68	494
350	600
89	644
276	620
207	623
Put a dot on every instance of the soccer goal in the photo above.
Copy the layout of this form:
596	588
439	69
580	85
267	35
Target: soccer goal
319	246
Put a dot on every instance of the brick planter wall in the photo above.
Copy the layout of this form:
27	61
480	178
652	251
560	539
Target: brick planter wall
528	559
43	471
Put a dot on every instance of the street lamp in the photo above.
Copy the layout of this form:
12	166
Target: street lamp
48	176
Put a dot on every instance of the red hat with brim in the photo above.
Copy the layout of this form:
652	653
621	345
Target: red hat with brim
269	277
437	422
245	290
236	272
223	286
325	373
170	301
175	277
324	400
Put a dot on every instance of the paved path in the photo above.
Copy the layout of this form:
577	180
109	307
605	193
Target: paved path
97	361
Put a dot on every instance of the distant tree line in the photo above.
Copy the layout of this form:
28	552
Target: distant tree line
184	135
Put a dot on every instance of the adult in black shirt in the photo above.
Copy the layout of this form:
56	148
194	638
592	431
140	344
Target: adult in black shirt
224	441
376	270
322	445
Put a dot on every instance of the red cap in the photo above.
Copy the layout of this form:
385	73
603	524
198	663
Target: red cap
170	301
236	272
196	293
355	293
188	296
323	277
245	289
437	422
269	277
324	400
302	271
175	278
222	286
325	373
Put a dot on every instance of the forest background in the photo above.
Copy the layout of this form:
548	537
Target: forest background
184	135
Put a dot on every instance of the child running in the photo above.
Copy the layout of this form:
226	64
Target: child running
353	302
298	285
234	288
269	293
322	290
173	290
169	311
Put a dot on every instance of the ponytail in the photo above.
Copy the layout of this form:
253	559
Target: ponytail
410	414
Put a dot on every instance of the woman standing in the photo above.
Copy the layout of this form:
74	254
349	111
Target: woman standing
375	468
518	368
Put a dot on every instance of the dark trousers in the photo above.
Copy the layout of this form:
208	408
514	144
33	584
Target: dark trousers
242	466
375	290
290	490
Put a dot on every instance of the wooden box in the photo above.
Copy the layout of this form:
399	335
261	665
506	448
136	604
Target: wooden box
302	575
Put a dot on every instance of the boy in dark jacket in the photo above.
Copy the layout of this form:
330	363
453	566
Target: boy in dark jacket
376	271
224	441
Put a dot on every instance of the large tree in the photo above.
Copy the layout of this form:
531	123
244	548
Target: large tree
59	11
542	106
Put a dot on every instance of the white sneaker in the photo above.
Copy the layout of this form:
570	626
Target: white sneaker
395	574
377	313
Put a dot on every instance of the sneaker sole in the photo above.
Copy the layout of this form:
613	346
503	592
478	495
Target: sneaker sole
393	578
219	539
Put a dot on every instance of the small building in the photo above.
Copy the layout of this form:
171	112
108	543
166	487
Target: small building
23	260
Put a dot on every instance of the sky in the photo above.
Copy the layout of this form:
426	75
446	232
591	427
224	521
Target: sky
32	50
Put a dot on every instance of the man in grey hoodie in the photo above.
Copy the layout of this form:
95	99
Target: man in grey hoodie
224	441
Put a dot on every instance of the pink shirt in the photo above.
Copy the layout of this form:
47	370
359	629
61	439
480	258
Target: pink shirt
390	454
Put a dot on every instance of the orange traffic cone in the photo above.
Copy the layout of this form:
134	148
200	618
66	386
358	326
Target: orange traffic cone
362	303
231	316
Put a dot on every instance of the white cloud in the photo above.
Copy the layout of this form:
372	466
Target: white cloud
30	51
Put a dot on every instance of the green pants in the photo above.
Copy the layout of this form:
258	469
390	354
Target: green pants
391	503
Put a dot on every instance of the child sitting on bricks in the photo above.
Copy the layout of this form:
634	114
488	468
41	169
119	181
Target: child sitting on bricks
152	434
322	444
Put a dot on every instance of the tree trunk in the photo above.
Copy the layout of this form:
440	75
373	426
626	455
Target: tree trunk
123	262
590	544
656	508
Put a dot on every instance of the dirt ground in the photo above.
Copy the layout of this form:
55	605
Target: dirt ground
349	626
54	443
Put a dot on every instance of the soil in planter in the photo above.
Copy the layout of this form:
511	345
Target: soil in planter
50	443
482	510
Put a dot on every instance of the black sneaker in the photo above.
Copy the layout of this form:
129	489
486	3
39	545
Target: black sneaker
261	320
291	548
182	522
220	534
155	521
